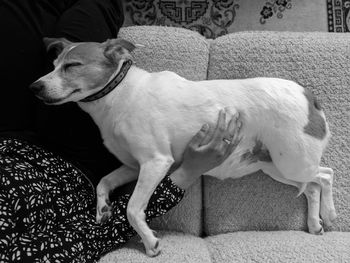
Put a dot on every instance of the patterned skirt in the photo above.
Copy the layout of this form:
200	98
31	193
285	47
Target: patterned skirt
47	208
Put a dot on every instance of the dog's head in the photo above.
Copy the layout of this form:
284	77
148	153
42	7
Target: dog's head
81	69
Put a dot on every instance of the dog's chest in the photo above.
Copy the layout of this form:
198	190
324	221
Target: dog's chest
109	123
116	144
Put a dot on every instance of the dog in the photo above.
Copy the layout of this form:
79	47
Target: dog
146	120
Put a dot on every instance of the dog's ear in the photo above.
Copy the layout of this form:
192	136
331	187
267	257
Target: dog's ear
117	49
55	45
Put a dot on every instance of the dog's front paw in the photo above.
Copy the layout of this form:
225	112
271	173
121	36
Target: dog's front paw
103	211
153	248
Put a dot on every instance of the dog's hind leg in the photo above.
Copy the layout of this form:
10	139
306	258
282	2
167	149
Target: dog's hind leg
151	174
319	195
314	222
118	177
325	179
312	193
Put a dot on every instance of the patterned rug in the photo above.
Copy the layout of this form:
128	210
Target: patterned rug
213	18
338	15
210	18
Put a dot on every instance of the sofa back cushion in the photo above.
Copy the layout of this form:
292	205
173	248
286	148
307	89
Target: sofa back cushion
168	48
186	53
318	61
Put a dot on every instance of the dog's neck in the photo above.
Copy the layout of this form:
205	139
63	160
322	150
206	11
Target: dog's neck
100	107
112	83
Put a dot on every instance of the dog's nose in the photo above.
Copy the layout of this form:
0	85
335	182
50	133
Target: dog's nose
37	86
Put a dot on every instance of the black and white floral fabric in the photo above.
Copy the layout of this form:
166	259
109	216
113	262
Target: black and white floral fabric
47	209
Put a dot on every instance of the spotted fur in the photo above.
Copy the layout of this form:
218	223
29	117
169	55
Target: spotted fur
316	126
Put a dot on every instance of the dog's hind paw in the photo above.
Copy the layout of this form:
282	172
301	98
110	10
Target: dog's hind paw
317	232
317	229
328	216
320	232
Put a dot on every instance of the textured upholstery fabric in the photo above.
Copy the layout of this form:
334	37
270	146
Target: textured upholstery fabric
176	247
279	246
186	216
318	61
166	48
251	203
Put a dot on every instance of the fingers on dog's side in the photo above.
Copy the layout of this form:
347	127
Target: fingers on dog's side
220	130
221	124
235	127
200	136
234	124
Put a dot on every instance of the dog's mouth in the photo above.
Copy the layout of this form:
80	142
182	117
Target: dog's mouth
49	101
56	101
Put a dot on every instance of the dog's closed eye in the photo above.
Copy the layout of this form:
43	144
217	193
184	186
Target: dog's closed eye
71	65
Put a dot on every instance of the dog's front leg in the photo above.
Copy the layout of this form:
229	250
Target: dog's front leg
151	173
118	177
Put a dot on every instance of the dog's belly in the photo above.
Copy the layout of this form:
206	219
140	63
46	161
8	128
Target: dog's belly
242	161
234	167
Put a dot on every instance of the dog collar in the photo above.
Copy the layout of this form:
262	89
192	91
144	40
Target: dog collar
112	84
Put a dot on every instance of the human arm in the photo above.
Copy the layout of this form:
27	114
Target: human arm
208	149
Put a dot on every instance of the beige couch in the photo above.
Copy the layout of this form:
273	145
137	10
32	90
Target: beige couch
252	219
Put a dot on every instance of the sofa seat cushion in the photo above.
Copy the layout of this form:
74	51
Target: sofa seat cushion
279	246
186	216
252	203
176	248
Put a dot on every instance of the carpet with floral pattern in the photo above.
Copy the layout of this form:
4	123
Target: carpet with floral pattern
338	15
213	18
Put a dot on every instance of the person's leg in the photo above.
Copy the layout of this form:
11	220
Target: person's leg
91	20
43	200
48	208
66	127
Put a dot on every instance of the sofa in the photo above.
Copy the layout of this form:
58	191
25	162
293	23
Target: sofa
254	218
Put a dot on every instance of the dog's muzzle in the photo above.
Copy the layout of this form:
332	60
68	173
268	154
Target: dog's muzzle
37	87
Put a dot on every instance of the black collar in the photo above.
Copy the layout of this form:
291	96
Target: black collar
112	84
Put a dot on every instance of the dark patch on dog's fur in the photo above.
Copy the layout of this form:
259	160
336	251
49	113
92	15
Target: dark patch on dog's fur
316	126
258	153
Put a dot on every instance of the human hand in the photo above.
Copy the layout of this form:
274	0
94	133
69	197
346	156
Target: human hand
210	147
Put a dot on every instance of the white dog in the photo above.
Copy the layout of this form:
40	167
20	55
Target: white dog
147	119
